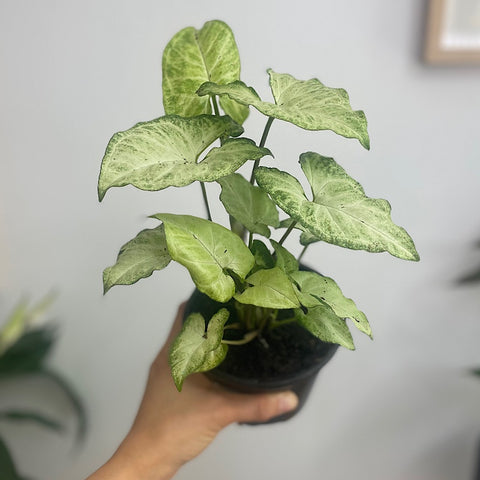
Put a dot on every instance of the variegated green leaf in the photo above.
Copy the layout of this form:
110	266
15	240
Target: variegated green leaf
164	152
138	258
308	104
269	288
219	162
340	212
314	289
196	350
209	252
284	259
322	322
193	57
214	358
250	205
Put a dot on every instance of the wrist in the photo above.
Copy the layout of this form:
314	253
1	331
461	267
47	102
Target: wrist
135	460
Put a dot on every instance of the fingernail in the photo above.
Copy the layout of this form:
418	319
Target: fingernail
287	401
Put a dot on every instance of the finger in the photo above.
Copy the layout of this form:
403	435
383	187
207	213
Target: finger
259	407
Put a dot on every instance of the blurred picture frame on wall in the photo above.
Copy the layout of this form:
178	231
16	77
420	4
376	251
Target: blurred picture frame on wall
453	32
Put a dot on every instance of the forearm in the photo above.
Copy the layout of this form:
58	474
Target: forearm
134	460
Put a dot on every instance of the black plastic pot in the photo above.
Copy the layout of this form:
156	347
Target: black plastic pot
262	379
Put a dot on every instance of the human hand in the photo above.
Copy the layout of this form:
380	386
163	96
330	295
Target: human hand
172	428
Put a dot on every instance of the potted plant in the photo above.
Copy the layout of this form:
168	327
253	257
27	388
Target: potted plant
252	295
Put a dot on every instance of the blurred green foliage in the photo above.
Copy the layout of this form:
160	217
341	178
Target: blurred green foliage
24	349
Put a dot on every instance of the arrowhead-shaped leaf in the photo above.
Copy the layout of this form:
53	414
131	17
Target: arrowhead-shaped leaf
195	350
138	258
209	252
222	161
340	212
250	205
308	104
164	152
269	288
193	57
322	322
314	290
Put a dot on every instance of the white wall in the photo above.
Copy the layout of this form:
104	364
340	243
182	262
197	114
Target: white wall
74	72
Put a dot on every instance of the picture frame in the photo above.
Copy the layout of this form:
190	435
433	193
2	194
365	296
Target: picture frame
453	32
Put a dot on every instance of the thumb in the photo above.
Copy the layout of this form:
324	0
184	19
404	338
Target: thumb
260	407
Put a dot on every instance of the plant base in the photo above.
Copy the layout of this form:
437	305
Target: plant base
286	358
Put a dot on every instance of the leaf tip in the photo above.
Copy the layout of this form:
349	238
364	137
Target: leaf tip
366	142
101	193
178	383
204	89
106	284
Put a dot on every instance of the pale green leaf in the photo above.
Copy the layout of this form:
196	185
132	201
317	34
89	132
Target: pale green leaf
284	259
322	322
340	212
193	57
314	289
269	288
221	161
138	258
306	103
163	152
209	252
237	91
214	358
345	216
249	204
194	349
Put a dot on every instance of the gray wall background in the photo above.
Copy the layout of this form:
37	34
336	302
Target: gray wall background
73	73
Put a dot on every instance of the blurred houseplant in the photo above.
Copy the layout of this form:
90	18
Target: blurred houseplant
254	287
24	348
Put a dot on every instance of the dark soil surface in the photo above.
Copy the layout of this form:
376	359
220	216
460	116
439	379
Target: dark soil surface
282	352
277	354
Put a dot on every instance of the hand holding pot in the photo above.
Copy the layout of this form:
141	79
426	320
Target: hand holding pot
172	428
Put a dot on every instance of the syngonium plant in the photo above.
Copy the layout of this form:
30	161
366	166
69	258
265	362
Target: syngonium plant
201	70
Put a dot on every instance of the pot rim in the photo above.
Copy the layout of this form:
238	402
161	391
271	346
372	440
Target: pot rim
280	382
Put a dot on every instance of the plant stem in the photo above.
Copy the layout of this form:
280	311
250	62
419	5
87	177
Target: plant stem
235	326
215	105
287	233
250	239
279	323
249	336
302	253
262	144
205	199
